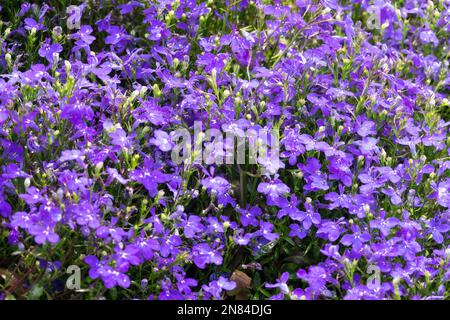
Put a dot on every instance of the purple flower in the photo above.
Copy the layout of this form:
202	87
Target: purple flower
367	128
273	189
368	146
356	239
162	140
384	225
216	184
288	208
427	37
249	217
150	176
43	233
330	230
48	51
203	254
212	61
317	277
297	231
216	287
265	230
309	217
193	226
30	24
83	37
119	138
315	179
116	35
443	193
281	283
73	155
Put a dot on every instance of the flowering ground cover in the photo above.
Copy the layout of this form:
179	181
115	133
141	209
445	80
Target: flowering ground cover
233	149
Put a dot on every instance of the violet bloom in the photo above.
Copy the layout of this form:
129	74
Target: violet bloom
162	140
265	230
116	35
428	37
212	61
73	155
204	254
368	146
49	50
44	233
150	176
249	216
288	208
330	230
215	288
443	193
83	38
315	179
30	24
356	239
217	184
297	231
146	247
120	138
309	217
273	189
281	283
317	277
439	229
193	226
384	225
367	128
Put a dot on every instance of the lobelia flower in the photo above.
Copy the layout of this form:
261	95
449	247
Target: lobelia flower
367	128
215	288
250	216
119	138
242	238
203	254
281	283
437	227
126	257
265	230
146	247
308	217
48	50
150	176
428	37
316	277
162	140
315	179
83	38
288	208
273	189
212	62
297	231
356	239
330	230
384	224
442	193
33	196
30	24
73	155
44	233
193	226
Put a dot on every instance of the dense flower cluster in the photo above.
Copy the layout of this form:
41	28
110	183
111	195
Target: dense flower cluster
356	207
